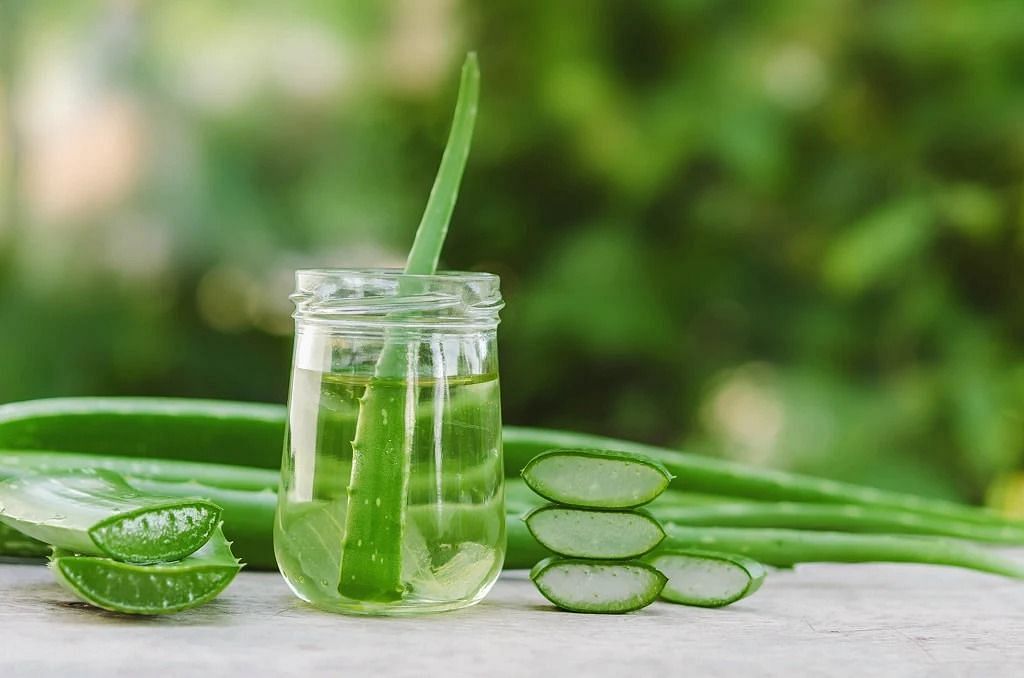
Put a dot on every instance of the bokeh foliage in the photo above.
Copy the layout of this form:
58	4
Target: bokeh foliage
787	232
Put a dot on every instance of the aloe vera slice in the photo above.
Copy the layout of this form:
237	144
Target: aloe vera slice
596	478
603	587
707	578
95	512
149	589
605	535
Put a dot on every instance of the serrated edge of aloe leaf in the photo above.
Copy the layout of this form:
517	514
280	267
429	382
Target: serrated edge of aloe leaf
755	570
553	506
592	453
97	531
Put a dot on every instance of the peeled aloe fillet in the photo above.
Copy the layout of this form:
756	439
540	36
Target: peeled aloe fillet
95	512
581	533
707	578
149	589
603	587
596	478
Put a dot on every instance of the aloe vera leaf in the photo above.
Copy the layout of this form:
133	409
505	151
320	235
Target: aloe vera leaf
371	562
221	476
603	587
176	428
706	578
14	544
149	589
250	517
706	510
95	512
522	551
596	478
226	476
433	228
252	434
696	473
605	535
247	496
830	517
785	548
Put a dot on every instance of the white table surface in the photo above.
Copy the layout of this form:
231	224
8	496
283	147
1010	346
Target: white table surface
821	620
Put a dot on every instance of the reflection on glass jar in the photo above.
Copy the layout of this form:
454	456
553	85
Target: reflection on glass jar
391	498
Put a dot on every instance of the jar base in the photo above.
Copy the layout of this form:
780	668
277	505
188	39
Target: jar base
396	609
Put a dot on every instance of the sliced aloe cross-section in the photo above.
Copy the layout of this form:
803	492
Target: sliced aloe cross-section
596	478
149	589
603	587
707	578
606	535
95	512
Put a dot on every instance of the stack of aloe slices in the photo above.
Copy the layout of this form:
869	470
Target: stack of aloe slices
115	547
605	543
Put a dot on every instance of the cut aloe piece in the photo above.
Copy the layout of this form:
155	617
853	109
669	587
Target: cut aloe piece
596	478
603	587
95	512
707	578
149	589
605	535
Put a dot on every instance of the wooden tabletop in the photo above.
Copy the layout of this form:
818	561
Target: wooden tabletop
820	620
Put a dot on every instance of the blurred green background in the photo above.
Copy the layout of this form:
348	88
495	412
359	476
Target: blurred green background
785	232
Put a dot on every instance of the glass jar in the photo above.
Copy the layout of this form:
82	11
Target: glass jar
392	488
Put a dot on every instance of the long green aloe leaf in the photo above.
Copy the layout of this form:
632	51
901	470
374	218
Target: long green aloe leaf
371	564
252	434
249	515
95	512
785	548
14	544
149	589
226	476
176	428
728	512
707	475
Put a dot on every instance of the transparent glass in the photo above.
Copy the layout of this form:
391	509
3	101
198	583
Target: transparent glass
392	488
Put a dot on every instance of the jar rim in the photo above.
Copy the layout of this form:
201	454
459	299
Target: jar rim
395	274
381	297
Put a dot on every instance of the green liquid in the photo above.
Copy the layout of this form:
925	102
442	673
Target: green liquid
454	534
